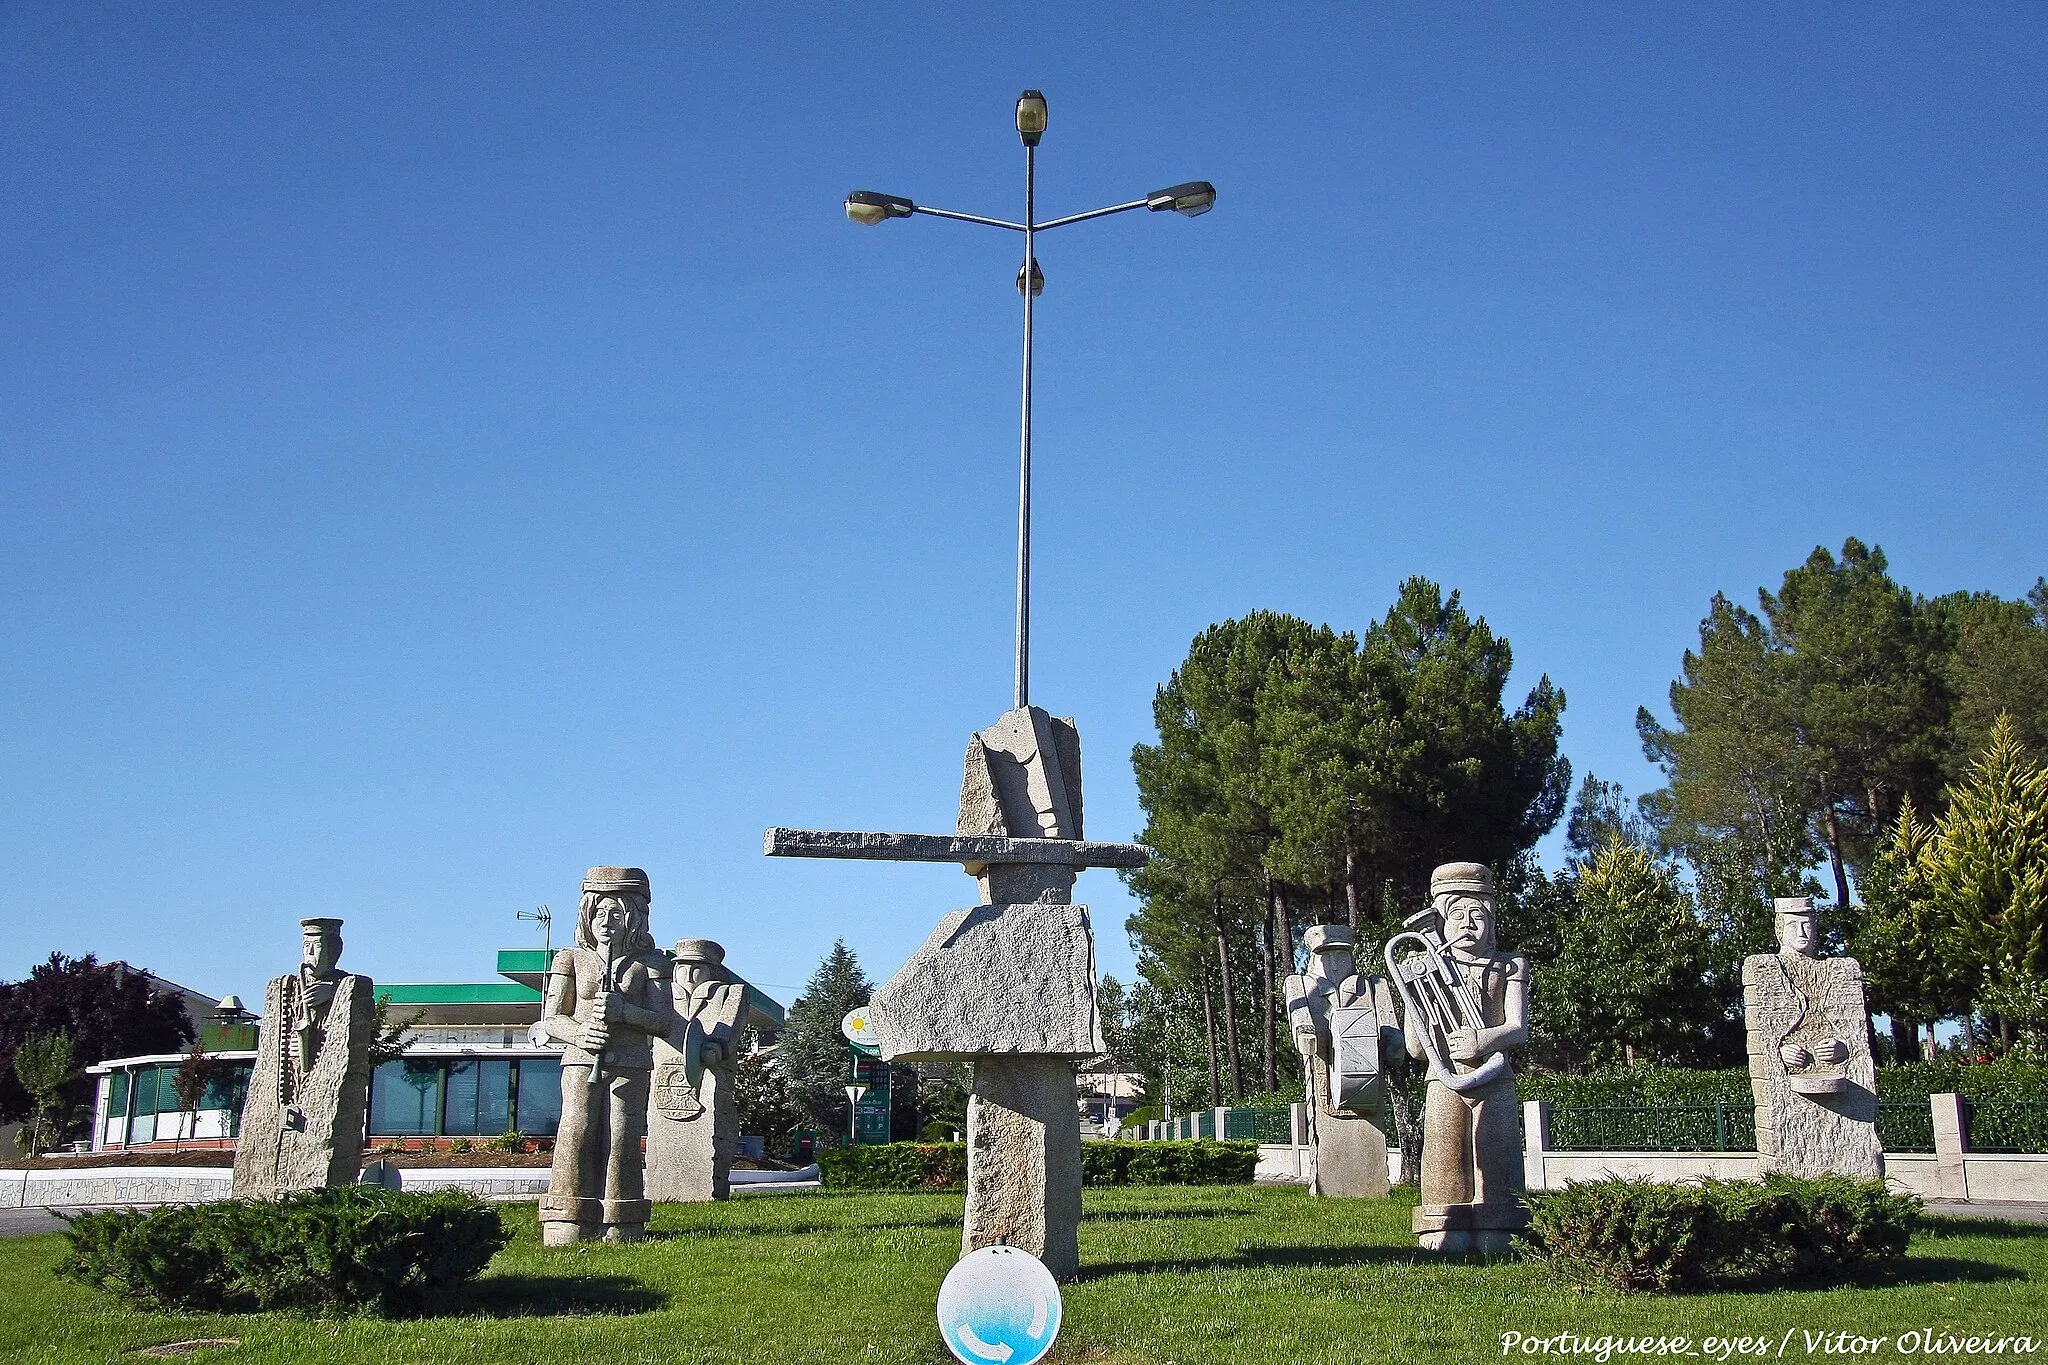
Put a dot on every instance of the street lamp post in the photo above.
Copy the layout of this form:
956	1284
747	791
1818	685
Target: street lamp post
869	208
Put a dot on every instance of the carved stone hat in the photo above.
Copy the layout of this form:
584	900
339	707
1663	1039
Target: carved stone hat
611	880
701	950
1793	905
1475	877
325	926
1328	938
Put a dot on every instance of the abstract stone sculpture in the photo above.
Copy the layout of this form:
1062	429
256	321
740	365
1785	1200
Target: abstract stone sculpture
1810	1066
1345	1028
1471	1139
693	1123
1008	985
607	1001
302	1123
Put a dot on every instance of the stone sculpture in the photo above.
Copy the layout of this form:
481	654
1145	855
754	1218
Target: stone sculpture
1810	1066
302	1123
1468	1006
1345	1028
607	1001
1009	984
693	1123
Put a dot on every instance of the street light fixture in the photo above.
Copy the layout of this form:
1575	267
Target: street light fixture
870	208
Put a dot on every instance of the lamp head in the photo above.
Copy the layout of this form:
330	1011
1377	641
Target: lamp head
1031	117
869	207
1193	199
1037	279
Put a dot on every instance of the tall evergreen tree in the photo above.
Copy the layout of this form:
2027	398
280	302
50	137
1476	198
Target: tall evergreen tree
813	1054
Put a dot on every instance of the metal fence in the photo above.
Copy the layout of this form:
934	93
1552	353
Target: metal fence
1653	1128
1907	1126
2007	1126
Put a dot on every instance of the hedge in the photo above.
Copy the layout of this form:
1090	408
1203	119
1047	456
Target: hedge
1714	1234
943	1165
2006	1080
351	1248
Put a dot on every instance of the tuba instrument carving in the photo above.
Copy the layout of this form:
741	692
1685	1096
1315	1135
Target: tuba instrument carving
1438	1001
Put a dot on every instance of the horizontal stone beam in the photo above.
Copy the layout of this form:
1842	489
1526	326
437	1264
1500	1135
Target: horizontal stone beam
968	850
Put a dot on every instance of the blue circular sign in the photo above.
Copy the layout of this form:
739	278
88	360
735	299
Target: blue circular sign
999	1306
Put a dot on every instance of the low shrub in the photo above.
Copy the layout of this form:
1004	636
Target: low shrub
895	1166
350	1249
1718	1234
943	1165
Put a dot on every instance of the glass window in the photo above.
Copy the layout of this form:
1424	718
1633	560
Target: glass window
405	1098
117	1094
145	1091
458	1103
540	1096
228	1087
493	1097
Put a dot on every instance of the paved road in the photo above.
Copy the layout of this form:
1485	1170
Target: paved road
22	1222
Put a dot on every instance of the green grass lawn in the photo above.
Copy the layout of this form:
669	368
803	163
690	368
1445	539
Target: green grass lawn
1193	1276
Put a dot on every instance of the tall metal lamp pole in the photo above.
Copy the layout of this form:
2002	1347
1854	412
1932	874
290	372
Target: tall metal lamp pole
869	207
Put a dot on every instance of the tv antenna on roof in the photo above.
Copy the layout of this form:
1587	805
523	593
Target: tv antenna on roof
545	918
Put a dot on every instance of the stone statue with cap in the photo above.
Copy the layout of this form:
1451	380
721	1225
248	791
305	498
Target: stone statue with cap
1471	1133
1345	1029
302	1122
607	1001
693	1122
1810	1067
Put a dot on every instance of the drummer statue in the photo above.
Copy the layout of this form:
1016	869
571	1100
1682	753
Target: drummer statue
1345	1028
607	1000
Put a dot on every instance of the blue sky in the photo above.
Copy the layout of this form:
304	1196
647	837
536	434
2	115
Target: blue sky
442	447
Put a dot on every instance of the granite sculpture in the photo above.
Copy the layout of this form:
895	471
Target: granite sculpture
1345	1028
1007	985
1468	1007
302	1122
1810	1067
608	999
693	1122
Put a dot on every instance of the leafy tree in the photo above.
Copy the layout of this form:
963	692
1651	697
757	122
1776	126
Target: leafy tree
1630	981
1601	813
1996	665
106	1010
761	1095
44	1065
1962	909
813	1054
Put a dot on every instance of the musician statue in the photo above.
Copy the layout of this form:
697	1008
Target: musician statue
1345	1027
1468	1007
693	1120
607	1000
1810	1066
302	1122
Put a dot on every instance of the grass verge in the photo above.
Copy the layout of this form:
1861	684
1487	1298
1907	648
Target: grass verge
1174	1276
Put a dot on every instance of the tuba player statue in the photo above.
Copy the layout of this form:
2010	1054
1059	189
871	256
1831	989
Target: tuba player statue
1474	1008
1344	1026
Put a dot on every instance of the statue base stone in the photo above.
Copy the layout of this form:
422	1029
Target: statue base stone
1024	1161
1350	1158
1455	1228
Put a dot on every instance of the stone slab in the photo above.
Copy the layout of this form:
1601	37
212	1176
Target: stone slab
1024	1161
1001	980
971	851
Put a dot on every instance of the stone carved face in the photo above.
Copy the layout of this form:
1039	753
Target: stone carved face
320	950
614	919
609	920
1798	935
1469	921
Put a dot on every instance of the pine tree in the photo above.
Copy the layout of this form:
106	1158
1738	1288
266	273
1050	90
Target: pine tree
814	1055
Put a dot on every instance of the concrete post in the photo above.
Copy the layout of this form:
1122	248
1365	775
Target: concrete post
1297	1124
1222	1124
1535	1142
1951	1143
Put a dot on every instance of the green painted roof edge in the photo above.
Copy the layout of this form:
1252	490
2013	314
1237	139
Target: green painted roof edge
460	993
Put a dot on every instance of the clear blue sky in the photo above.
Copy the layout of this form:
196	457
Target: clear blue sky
445	446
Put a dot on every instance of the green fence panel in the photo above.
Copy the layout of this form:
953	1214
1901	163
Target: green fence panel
2007	1126
1653	1128
1906	1127
1258	1125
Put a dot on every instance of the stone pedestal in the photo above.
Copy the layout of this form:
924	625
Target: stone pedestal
1488	1228
1024	1161
1350	1158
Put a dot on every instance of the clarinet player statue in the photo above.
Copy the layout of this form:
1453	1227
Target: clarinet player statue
607	1000
1468	1007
